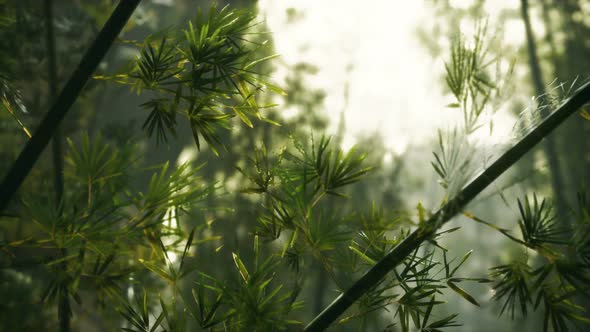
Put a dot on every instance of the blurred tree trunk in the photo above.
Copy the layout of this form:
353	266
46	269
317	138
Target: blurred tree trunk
63	310
549	144
52	84
574	62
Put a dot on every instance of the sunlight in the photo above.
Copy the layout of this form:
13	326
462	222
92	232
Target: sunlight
170	219
461	4
171	223
187	154
514	32
394	83
392	80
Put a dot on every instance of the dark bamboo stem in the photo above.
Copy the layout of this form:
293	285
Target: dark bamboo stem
449	210
27	158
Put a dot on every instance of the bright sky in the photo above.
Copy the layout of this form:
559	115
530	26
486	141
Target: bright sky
394	83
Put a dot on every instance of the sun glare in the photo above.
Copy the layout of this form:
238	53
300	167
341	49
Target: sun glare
393	83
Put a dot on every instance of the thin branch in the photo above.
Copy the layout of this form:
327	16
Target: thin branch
27	158
449	210
505	232
8	107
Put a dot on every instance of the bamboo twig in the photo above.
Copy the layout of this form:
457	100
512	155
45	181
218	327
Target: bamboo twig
13	114
449	210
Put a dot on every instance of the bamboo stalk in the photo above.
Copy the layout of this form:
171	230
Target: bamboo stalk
90	61
449	210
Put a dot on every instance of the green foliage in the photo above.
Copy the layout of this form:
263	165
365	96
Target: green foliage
139	317
477	84
512	285
297	186
327	168
118	231
468	78
11	101
454	161
554	284
582	234
413	290
205	73
525	284
538	226
105	223
258	300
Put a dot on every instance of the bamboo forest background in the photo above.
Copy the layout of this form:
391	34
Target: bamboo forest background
177	196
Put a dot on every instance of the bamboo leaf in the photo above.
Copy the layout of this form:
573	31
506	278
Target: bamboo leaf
462	293
241	267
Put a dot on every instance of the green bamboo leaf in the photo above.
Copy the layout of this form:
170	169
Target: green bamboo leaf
362	255
463	260
241	267
158	322
187	247
243	117
274	123
157	270
462	292
448	321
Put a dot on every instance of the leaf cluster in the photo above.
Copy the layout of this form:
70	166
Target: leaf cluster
555	283
296	185
105	231
471	78
205	73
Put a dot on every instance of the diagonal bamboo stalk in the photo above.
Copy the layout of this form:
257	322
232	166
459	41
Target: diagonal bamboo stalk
449	210
90	61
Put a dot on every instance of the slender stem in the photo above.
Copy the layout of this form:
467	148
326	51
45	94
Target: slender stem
64	311
449	210
27	158
492	226
13	114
